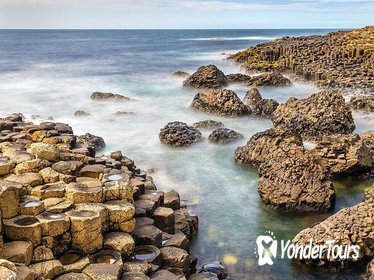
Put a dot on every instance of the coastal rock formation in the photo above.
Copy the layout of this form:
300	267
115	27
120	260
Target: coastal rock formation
259	106
219	101
181	74
343	154
108	96
362	103
289	176
369	273
350	226
238	78
322	113
81	113
206	77
272	79
224	136
90	140
179	134
208	124
341	59
99	211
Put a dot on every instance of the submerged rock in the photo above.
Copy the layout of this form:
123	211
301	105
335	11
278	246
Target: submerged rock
181	74
108	96
219	101
269	79
224	135
350	226
208	124
238	78
364	103
81	113
322	113
259	106
206	77
179	134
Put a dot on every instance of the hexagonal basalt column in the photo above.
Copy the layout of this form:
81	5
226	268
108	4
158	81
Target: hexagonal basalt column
107	256
74	261
120	213
25	228
118	190
9	199
99	208
54	190
54	224
80	193
31	207
6	166
86	231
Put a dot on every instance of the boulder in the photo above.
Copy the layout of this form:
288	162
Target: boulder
175	257
269	79
238	78
224	136
108	96
181	74
252	97
206	77
343	154
81	113
322	113
349	226
179	134
259	106
208	124
91	140
219	101
45	151
363	103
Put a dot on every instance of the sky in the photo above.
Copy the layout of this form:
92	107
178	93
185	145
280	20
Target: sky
185	14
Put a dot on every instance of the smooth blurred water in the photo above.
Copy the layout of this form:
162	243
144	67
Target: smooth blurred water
53	73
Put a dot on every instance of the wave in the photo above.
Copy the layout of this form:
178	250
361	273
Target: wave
245	38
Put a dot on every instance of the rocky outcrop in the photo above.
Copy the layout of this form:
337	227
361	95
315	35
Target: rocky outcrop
206	77
259	106
343	154
289	177
224	136
219	101
272	79
362	103
108	96
179	134
181	74
350	226
90	140
338	59
322	113
208	124
238	78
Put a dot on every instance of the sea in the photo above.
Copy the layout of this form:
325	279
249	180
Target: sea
50	74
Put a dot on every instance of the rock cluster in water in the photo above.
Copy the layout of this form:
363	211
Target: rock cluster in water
179	134
259	106
342	59
67	213
206	77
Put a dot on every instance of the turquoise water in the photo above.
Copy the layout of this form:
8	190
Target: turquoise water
53	73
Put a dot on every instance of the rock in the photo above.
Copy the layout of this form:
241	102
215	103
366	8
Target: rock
49	269
134	276
349	226
25	228
364	103
31	207
224	136
147	235
120	241
208	124
164	219
117	155
54	224
45	151
107	96
262	144
175	257
369	272
73	276
181	74
70	167
27	179
92	171
91	140
122	113
80	193
179	134
42	254
103	271
321	113
206	77
163	275
219	101
25	273
343	154
81	113
18	252
215	268
252	97
7	274
49	175
178	240
74	261
149	253
34	165
238	78
9	199
172	200
269	79
6	166
203	276
259	106
137	266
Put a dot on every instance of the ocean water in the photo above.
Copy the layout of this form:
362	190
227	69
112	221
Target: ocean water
53	73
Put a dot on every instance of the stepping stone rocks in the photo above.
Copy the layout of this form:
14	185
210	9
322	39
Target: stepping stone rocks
99	271
148	235
18	252
45	151
26	228
120	241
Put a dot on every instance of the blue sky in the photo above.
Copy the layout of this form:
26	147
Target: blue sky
185	13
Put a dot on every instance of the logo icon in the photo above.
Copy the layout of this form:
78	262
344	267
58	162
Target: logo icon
266	249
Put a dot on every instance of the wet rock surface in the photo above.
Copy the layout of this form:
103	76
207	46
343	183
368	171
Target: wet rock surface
224	135
179	134
362	103
320	114
219	101
67	213
206	77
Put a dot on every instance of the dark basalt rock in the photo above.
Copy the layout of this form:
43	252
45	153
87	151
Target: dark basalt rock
224	135
206	77
108	96
363	103
208	124
238	78
269	80
91	140
219	101
259	106
179	134
181	74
